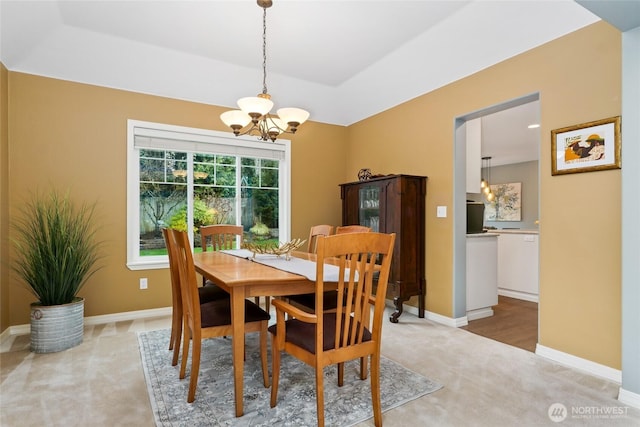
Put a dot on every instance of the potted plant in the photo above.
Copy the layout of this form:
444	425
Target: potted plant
260	231
57	252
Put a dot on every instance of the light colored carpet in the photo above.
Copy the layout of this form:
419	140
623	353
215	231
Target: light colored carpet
214	404
486	383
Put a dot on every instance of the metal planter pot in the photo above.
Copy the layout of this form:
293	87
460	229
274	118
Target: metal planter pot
57	327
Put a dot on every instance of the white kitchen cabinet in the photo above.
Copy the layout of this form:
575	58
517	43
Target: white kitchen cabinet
482	272
518	265
474	161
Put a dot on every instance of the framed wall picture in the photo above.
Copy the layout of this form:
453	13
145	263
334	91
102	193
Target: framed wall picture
586	147
507	203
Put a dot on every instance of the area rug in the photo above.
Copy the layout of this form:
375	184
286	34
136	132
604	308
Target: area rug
214	404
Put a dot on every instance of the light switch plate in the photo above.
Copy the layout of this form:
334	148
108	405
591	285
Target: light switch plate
441	212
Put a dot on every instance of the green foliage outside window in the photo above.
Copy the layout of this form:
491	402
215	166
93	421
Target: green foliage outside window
202	215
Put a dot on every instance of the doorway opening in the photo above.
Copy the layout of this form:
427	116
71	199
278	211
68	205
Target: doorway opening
513	304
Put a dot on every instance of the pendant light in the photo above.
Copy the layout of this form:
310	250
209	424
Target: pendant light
254	117
485	185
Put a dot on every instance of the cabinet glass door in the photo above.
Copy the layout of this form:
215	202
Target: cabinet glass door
369	214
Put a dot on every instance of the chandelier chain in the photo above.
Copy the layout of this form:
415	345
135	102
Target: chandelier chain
264	50
254	117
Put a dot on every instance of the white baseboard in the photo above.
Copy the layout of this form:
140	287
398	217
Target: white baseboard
447	321
435	317
127	315
18	330
479	313
460	322
576	362
6	335
629	398
518	295
11	331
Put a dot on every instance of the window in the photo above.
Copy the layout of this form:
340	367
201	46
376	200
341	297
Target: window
184	177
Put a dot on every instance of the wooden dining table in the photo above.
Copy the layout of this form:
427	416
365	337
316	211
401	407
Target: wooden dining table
244	278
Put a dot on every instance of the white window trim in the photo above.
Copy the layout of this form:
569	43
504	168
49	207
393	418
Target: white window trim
198	136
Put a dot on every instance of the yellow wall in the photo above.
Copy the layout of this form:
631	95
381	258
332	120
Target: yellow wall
580	271
4	198
579	80
318	164
73	135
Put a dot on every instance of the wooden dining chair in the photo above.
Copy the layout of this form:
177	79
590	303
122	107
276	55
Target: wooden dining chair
205	294
220	236
307	301
342	229
211	319
224	236
321	339
314	232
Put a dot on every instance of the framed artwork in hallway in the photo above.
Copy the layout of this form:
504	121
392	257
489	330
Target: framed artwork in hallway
586	147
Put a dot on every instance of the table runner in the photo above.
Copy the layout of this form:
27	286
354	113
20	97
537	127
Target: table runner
294	265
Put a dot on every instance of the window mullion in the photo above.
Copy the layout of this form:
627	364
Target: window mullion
238	186
190	198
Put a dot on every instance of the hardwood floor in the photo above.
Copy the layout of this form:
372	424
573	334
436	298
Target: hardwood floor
515	322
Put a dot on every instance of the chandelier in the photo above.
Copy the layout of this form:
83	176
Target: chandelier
254	117
485	187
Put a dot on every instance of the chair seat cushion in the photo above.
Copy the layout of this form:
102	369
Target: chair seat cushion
329	300
304	334
218	313
210	292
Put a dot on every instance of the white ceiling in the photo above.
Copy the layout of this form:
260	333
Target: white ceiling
506	136
341	60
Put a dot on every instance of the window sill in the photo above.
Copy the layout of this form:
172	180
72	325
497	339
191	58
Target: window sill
147	265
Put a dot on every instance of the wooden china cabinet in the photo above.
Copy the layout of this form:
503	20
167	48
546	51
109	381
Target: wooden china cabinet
394	204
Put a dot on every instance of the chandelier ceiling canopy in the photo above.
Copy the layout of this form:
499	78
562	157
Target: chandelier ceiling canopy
254	117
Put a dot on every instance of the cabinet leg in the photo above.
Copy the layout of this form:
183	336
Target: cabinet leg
397	301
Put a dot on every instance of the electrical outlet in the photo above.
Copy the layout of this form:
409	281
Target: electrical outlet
143	283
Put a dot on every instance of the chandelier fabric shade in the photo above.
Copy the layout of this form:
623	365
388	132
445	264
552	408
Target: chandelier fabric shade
254	115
